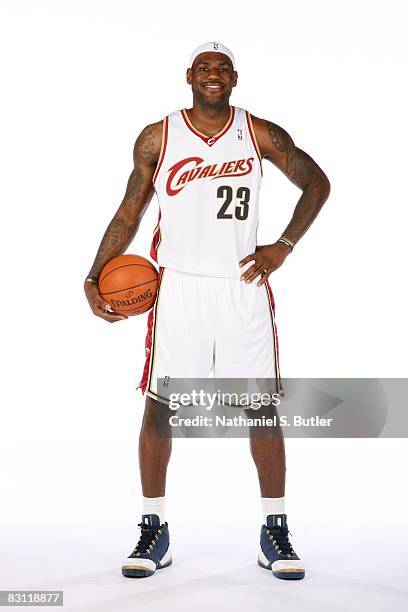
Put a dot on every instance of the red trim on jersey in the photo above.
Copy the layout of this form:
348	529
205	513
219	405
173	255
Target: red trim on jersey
162	148
156	239
149	340
280	389
253	138
209	140
156	234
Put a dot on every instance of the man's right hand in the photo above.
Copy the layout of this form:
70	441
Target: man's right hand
122	229
99	307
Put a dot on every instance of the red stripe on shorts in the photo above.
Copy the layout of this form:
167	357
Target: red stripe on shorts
149	340
276	341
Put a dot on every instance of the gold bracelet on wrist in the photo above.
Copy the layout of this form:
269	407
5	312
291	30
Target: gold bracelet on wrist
286	241
92	279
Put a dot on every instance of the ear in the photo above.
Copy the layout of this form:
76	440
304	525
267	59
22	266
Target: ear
234	78
189	76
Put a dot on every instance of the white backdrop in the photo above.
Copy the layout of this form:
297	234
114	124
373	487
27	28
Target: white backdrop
80	79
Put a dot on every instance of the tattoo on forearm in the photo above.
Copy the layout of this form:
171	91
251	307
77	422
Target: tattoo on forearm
306	211
307	175
118	235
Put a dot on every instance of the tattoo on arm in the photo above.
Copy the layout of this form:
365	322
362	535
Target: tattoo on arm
303	171
283	143
139	190
117	237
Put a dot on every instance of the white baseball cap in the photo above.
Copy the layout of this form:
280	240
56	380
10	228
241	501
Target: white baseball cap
214	47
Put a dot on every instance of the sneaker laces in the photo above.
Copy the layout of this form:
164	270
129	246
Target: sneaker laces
147	539
280	535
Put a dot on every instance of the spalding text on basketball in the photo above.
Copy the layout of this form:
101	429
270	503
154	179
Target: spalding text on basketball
143	297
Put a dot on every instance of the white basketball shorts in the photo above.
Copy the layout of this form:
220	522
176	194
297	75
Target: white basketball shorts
205	323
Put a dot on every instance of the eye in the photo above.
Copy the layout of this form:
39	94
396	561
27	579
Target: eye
202	68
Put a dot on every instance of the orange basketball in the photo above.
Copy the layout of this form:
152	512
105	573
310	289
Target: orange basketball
129	284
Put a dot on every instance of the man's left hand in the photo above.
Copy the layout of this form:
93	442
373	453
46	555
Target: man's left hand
267	258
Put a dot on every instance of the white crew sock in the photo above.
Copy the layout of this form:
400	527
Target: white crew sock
154	505
272	505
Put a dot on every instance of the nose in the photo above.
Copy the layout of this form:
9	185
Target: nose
213	74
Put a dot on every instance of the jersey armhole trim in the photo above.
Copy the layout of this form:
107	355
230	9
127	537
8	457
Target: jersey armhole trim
163	147
253	138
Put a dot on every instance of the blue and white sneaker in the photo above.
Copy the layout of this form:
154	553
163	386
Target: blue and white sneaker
152	552
276	552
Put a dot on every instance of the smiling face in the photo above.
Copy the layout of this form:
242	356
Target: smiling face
212	78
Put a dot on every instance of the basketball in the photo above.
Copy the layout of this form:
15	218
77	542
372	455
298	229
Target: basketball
129	284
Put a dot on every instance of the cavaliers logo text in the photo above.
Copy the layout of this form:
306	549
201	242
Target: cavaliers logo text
194	168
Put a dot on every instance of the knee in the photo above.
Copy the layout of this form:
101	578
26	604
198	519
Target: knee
156	417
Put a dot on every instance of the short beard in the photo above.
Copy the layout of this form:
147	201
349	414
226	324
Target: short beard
208	104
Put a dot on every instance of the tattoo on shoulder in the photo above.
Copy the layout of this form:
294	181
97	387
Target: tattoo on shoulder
147	146
283	143
298	165
145	155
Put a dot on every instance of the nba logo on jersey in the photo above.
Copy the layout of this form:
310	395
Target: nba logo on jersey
239	133
215	45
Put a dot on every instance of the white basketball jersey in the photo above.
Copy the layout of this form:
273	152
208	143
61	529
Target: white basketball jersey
208	190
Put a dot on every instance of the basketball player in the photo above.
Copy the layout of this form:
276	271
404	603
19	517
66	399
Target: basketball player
214	307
